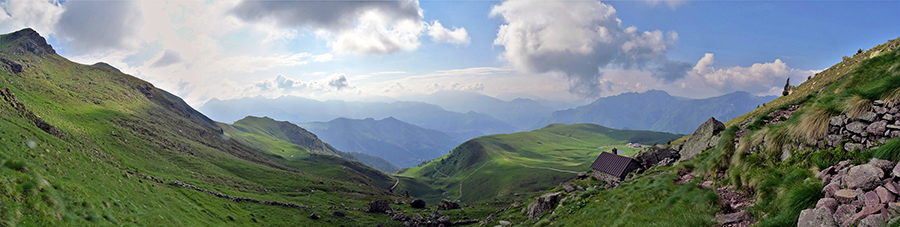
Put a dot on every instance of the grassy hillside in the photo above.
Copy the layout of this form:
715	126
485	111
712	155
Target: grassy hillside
504	165
80	144
773	163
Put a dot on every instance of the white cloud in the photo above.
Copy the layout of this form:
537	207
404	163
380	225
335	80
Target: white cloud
375	34
281	85
91	26
759	78
672	3
39	15
457	36
577	39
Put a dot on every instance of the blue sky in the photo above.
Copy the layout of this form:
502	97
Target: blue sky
376	50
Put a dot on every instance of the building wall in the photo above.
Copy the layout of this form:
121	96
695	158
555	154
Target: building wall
605	177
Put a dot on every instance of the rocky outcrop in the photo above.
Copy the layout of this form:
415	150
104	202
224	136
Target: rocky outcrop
658	155
27	41
418	204
863	132
379	206
704	137
860	195
10	98
541	204
448	205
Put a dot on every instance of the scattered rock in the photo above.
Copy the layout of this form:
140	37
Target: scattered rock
877	220
844	213
829	203
865	177
448	205
656	156
845	195
418	204
504	223
884	195
884	165
568	188
379	206
314	216
831	188
736	217
815	218
703	138
872	199
541	204
892	187
338	214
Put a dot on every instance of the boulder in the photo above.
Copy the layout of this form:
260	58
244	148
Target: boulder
844	213
845	195
448	205
865	177
877	128
876	220
857	127
735	217
379	206
829	203
867	117
656	155
884	195
399	217
504	223
541	204
417	204
872	199
884	165
818	217
703	138
853	147
568	188
314	216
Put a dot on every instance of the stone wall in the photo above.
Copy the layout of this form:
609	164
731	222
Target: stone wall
866	131
609	179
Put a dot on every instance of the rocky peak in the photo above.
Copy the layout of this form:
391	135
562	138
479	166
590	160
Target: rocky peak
26	41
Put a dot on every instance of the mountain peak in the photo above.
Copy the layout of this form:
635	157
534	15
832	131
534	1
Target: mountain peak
26	41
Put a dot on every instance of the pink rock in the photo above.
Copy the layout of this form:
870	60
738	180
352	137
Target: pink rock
845	195
831	188
892	187
884	195
872	199
866	211
844	213
829	203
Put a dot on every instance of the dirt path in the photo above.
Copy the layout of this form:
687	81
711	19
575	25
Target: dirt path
438	171
395	183
467	177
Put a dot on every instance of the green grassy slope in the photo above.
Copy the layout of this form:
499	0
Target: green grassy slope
778	188
111	132
503	165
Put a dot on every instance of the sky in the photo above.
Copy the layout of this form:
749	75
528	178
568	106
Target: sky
573	51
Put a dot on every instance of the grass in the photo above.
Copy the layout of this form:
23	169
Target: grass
856	106
525	163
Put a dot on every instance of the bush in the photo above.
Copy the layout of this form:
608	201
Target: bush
17	165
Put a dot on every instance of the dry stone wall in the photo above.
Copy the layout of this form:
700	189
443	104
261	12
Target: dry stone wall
866	131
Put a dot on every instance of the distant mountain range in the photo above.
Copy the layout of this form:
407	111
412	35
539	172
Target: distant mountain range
521	113
400	143
658	111
296	109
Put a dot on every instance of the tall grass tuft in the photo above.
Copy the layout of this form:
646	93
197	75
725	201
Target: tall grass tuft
814	125
857	106
893	96
775	141
888	151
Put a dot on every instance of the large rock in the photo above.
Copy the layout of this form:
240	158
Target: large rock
844	213
845	195
872	199
875	220
655	155
379	206
818	217
865	177
877	128
865	212
417	204
884	195
857	127
868	116
735	217
704	137
541	204
885	165
829	203
448	205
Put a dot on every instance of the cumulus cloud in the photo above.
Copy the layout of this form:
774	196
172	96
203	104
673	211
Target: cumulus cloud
353	27
456	86
579	38
440	34
759	78
169	57
282	85
37	14
100	25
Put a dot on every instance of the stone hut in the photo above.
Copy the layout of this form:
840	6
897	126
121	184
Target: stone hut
612	168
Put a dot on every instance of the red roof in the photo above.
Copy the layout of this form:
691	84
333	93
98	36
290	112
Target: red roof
610	163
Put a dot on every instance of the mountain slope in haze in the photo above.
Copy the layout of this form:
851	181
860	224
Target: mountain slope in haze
89	146
293	142
403	144
522	113
297	109
658	111
504	165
